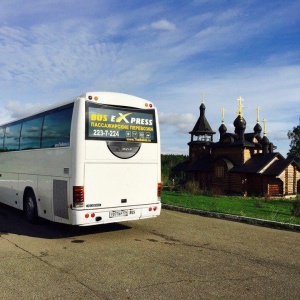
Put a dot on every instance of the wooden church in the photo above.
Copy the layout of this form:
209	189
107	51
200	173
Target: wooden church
239	163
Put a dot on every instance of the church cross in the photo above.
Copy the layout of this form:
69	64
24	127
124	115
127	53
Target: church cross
265	127
202	96
223	114
241	106
257	114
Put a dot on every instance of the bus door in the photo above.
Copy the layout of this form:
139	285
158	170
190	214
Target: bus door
9	189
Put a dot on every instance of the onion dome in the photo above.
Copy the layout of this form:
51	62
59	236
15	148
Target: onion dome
265	144
240	126
222	129
235	123
265	141
240	123
257	128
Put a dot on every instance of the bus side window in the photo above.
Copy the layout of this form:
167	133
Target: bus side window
31	134
56	129
1	138
12	137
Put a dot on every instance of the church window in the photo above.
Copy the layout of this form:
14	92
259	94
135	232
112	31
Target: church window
219	172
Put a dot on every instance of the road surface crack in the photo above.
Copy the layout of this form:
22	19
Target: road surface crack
60	270
172	241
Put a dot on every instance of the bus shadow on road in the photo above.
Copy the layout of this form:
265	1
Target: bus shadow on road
12	221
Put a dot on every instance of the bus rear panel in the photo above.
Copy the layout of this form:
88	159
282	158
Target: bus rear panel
121	178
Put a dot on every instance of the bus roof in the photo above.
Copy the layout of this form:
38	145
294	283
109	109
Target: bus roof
112	98
117	99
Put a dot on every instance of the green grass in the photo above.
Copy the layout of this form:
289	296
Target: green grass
275	210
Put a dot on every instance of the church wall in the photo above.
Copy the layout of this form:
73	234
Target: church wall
203	178
273	186
294	181
297	174
198	151
204	181
254	185
290	180
256	150
220	178
236	183
297	180
220	186
190	176
247	155
234	153
237	155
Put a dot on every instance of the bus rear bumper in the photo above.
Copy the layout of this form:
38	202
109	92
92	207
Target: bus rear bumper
89	217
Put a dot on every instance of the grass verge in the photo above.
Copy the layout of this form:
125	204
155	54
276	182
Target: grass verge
274	210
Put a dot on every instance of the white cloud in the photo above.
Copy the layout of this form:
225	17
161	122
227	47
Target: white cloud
180	123
163	25
16	109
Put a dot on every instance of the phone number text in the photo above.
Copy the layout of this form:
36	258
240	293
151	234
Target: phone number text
110	133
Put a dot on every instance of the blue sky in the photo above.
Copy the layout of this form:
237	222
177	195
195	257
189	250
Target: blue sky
168	52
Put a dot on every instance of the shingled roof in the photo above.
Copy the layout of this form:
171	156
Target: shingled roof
183	166
202	126
256	163
278	167
201	165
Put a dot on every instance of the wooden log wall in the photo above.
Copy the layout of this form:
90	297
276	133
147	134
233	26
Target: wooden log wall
297	180
203	179
274	186
247	155
289	180
255	185
235	183
233	153
197	151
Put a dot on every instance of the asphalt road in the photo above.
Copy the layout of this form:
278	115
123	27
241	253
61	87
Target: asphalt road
175	256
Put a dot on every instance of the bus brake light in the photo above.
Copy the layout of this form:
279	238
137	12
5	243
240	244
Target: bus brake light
159	187
78	196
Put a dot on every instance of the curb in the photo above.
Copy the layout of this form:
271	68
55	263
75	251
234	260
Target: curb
236	218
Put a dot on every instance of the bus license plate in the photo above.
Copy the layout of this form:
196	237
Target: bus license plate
118	213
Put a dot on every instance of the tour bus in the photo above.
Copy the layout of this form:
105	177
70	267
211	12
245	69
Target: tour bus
92	160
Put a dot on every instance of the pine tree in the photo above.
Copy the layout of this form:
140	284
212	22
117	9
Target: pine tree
294	136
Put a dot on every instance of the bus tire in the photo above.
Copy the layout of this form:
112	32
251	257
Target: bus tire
30	207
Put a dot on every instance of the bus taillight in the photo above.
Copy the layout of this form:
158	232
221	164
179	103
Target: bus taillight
78	196
159	186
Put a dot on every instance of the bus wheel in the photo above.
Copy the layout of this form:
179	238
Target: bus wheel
30	207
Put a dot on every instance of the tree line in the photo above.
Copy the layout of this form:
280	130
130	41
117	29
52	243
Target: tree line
168	162
294	136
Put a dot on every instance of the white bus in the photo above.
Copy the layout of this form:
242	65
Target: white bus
92	160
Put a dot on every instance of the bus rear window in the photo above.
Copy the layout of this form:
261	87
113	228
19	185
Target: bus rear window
112	123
